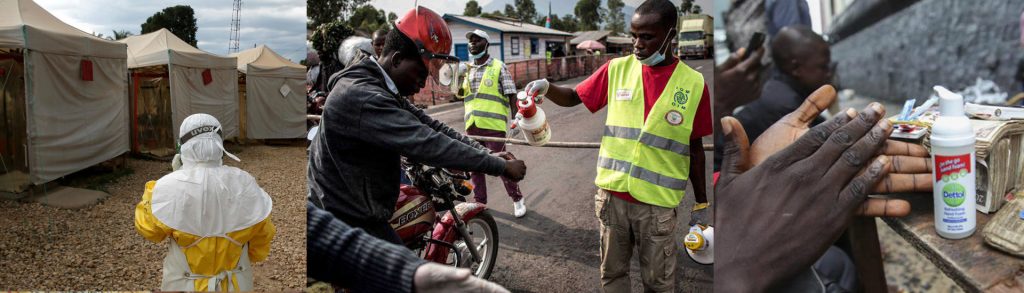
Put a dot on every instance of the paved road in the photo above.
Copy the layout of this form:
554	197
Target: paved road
555	247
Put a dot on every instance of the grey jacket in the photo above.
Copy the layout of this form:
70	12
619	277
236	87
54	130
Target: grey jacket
351	258
354	162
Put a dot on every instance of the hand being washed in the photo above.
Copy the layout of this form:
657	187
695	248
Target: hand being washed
909	172
796	202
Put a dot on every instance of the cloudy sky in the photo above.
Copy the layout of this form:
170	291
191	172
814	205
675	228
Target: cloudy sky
280	24
559	7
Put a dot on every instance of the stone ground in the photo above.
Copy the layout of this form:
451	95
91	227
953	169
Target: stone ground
97	248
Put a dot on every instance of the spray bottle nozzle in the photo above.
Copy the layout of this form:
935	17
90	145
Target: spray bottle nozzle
527	106
951	104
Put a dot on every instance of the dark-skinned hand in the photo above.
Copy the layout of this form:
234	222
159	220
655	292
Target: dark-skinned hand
515	169
737	80
909	172
795	203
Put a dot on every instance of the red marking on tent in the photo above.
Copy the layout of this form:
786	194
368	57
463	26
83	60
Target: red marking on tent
207	76
86	70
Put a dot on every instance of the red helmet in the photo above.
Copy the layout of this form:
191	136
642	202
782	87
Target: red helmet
432	38
429	31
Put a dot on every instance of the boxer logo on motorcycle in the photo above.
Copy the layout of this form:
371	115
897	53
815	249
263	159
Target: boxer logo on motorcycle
367	126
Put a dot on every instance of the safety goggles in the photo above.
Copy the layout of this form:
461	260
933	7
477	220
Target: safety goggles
197	131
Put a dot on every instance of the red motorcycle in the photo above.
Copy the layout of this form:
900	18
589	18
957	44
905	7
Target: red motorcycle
424	221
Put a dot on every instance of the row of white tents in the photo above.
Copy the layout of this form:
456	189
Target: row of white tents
72	100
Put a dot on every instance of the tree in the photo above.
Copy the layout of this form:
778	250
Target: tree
510	11
568	23
367	19
495	13
615	21
684	8
121	34
392	17
319	12
696	9
589	14
328	37
180	20
525	10
472	8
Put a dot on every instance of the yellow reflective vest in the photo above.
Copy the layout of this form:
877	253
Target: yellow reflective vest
649	160
487	107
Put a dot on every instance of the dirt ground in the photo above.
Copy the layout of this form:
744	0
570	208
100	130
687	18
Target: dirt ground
97	248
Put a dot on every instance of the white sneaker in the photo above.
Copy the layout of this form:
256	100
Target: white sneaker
520	208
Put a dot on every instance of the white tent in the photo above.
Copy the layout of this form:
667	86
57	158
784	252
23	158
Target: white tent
200	82
275	105
74	89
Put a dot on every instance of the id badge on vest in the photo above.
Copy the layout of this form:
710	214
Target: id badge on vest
624	95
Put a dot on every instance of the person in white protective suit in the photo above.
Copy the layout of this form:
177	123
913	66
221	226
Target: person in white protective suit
217	217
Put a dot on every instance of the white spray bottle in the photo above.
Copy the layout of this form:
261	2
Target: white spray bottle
532	120
952	141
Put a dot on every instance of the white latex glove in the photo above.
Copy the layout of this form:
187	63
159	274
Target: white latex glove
435	278
540	87
176	162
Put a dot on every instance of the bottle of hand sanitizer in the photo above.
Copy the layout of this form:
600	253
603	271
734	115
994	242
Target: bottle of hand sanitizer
952	141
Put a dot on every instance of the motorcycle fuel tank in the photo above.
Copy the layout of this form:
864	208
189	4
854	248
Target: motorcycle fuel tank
414	215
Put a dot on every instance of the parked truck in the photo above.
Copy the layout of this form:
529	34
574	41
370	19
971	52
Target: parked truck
696	36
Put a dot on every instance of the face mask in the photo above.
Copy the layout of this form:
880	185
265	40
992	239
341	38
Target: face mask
479	55
658	56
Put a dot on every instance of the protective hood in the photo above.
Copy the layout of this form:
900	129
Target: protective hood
204	197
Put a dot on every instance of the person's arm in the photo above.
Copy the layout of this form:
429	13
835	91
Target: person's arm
145	222
562	96
442	128
592	92
697	175
385	123
508	87
349	257
736	84
259	245
816	185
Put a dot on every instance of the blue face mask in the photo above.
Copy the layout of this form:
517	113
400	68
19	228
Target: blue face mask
658	56
478	55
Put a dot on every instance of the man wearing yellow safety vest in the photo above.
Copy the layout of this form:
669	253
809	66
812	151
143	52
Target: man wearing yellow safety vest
489	93
658	111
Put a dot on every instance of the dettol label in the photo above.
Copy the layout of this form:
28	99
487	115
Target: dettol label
954	195
953	160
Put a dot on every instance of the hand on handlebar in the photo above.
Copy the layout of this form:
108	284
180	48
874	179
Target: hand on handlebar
505	155
514	169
